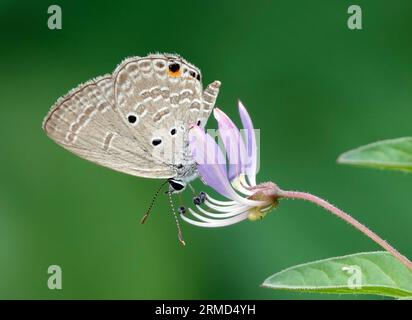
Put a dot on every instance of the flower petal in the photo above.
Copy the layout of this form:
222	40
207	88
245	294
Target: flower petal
223	208
223	215
250	140
219	202
240	184
233	143
216	223
210	161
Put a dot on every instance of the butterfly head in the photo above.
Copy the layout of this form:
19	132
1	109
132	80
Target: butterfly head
185	175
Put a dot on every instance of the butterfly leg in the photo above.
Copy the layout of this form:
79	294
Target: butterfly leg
192	188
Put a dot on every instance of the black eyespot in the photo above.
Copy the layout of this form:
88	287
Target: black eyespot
199	122
193	74
173	131
156	142
198	77
174	67
179	166
132	118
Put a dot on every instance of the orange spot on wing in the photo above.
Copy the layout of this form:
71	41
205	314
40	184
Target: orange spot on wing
175	74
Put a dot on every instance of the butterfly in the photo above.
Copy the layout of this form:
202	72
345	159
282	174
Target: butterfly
137	119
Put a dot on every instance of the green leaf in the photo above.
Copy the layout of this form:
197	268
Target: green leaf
361	273
394	154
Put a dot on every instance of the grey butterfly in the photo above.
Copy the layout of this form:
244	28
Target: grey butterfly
136	120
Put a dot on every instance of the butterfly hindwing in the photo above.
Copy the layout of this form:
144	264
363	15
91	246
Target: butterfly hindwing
164	96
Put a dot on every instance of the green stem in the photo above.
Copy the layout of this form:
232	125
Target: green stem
346	217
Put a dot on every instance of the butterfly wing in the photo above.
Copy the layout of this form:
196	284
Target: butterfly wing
164	96
118	120
87	123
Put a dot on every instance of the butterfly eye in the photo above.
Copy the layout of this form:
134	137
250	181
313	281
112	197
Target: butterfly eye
173	131
156	142
131	118
176	185
174	69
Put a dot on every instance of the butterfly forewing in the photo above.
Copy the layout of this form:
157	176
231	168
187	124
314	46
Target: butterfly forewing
86	122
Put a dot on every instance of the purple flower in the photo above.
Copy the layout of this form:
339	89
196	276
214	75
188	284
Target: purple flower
234	179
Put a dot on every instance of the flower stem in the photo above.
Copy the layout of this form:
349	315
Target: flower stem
344	216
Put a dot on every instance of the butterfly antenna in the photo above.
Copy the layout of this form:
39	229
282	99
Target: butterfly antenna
143	220
179	230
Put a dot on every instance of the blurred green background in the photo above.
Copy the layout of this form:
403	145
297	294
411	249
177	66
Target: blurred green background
313	87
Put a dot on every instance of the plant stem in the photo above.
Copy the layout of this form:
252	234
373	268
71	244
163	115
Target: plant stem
344	216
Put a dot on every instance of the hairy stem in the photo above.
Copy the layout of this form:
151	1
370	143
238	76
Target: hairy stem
344	216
